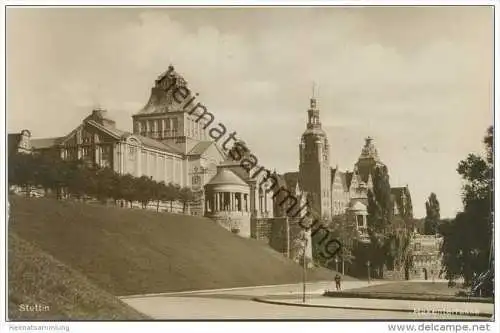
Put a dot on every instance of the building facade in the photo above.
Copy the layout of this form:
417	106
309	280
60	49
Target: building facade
167	144
426	257
242	200
330	191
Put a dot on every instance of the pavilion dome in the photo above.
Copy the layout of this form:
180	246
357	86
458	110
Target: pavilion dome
225	176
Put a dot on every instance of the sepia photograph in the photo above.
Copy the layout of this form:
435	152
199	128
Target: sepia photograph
250	163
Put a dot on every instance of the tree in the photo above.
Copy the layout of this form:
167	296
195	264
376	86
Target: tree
159	193
432	215
23	171
127	188
380	216
344	230
145	188
186	195
78	179
105	184
171	194
467	239
52	173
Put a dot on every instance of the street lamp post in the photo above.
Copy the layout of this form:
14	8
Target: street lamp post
368	270
304	268
336	264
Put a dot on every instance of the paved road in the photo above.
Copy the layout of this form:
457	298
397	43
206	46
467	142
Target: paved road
238	303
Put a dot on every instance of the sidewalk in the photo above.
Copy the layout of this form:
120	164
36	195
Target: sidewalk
417	307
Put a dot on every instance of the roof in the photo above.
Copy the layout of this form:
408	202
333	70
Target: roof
369	150
200	148
148	142
111	130
344	177
358	206
45	142
281	181
226	176
399	192
314	131
161	99
238	170
291	180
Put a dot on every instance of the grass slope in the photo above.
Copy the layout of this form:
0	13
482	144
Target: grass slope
60	293
126	251
424	291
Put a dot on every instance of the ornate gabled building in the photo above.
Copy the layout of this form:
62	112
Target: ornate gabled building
167	143
333	192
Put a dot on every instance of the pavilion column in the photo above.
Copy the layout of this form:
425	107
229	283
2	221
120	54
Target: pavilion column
265	202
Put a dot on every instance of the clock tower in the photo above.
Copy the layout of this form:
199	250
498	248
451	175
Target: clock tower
314	167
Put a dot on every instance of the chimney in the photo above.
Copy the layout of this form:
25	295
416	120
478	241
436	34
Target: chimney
99	115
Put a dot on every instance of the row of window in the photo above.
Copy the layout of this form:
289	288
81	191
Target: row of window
155	125
426	259
159	134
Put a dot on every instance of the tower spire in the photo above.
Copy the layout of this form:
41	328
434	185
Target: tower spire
313	97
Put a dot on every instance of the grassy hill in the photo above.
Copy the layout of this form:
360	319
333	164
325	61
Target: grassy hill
57	291
129	251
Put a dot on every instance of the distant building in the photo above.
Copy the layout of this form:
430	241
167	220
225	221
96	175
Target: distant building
167	144
426	257
19	143
333	192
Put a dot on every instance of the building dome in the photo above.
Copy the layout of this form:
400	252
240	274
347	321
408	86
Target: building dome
314	131
225	176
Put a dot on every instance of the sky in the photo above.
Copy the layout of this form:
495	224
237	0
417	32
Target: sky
419	80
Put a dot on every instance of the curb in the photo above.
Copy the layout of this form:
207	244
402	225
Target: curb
260	300
457	299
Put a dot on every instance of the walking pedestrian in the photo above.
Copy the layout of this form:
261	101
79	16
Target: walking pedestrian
337	281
